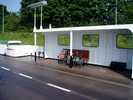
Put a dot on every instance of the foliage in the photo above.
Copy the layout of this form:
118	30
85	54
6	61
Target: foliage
11	22
90	40
125	40
67	13
64	40
26	38
62	13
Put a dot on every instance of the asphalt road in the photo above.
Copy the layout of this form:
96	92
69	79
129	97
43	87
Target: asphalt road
26	81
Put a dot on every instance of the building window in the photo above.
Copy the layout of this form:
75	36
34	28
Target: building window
124	41
90	40
64	40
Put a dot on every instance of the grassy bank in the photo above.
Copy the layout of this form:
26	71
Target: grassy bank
25	37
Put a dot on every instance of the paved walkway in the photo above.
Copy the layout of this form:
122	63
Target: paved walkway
100	73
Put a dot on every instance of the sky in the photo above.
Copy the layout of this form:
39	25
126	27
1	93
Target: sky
12	5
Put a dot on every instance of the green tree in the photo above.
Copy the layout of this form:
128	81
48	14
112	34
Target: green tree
63	13
26	14
12	22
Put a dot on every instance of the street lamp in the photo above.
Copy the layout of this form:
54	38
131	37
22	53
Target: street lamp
34	6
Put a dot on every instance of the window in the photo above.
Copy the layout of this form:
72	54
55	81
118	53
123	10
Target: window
90	40
64	39
124	41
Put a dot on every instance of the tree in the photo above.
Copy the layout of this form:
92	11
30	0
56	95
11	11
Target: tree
12	22
63	13
26	14
128	12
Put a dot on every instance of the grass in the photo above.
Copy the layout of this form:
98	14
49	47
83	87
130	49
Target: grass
25	37
63	40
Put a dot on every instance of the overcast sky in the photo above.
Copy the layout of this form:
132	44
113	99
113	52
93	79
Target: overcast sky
12	5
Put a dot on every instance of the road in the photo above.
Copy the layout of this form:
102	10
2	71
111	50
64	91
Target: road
27	81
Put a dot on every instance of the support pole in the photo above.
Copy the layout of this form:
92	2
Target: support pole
71	49
71	44
34	19
34	38
41	19
34	27
3	20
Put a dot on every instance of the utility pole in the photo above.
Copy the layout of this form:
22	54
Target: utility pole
41	19
35	26
3	19
116	3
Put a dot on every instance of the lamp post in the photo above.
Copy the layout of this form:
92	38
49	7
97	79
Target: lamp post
34	6
34	26
41	19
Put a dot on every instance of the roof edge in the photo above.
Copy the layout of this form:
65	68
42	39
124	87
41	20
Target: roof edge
84	28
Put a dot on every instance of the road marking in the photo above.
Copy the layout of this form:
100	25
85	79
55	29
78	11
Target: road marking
5	68
58	87
26	76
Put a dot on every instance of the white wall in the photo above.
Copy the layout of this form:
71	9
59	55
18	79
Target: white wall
103	55
52	49
129	58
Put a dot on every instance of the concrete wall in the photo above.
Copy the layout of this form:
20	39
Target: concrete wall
102	55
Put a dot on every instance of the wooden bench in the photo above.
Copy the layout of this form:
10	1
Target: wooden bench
79	56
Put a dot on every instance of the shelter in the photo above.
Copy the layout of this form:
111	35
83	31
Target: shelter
104	53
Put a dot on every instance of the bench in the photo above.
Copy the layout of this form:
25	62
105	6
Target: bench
79	56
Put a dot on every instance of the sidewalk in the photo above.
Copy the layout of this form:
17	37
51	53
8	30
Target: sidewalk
100	73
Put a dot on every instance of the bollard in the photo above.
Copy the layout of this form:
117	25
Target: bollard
132	68
35	57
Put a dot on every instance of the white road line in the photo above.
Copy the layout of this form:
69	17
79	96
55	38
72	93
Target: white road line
58	87
26	76
5	68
